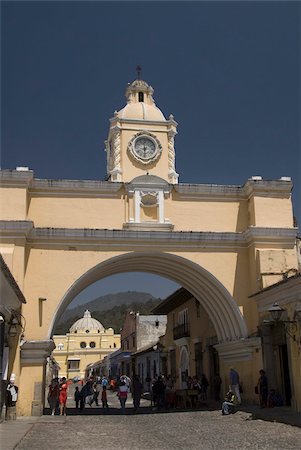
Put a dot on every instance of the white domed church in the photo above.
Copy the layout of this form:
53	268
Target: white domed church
87	342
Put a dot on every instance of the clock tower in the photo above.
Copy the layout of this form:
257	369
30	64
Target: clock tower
141	140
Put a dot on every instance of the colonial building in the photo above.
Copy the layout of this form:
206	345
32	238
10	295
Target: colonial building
222	243
87	342
11	326
279	307
138	332
190	339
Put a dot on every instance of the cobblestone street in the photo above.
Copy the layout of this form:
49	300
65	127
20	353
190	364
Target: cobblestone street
155	430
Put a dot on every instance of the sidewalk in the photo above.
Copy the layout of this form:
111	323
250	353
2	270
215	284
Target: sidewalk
281	414
13	431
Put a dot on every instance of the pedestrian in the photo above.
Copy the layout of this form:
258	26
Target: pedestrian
159	393
85	394
63	396
11	398
234	384
77	397
122	395
53	395
228	406
126	380
263	390
104	398
97	390
112	384
217	381
204	386
104	382
137	389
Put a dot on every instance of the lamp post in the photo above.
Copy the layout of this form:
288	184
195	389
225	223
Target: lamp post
291	326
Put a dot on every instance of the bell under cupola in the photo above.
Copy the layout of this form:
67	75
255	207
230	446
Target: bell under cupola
141	139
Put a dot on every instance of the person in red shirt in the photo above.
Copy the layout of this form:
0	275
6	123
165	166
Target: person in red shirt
63	396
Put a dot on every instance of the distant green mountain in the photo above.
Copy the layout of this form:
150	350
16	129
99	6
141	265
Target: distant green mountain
109	309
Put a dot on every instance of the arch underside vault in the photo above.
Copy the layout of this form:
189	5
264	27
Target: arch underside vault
222	309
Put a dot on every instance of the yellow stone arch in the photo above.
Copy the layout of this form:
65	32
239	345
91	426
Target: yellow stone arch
214	297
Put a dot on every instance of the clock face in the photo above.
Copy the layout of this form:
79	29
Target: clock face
145	148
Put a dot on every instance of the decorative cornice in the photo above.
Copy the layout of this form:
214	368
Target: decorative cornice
16	178
255	235
262	188
149	227
36	352
135	234
239	350
74	187
284	293
266	188
13	229
139	121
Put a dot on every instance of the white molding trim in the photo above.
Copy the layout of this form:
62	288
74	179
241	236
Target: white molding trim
284	293
239	350
10	230
36	352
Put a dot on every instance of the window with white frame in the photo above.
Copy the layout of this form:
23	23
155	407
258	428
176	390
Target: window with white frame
183	317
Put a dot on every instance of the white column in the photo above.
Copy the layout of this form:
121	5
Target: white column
137	206
161	206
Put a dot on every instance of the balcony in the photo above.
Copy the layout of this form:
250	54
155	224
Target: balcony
181	331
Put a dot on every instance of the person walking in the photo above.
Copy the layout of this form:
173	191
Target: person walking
77	397
263	389
159	393
104	398
123	395
204	386
63	396
137	389
97	391
53	395
234	384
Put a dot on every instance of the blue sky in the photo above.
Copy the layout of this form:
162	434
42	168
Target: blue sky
228	71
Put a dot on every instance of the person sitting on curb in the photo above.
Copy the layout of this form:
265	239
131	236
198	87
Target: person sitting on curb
228	406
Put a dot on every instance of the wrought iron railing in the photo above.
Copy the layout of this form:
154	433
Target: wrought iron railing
180	331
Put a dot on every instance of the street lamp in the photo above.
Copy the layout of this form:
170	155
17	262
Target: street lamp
12	327
291	326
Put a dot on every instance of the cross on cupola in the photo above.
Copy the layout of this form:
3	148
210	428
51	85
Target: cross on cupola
138	70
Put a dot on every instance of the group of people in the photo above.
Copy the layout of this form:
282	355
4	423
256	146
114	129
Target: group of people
90	393
162	389
266	398
57	395
164	393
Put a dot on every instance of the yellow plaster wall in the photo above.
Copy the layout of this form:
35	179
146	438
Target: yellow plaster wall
65	267
13	203
60	212
205	215
273	212
30	374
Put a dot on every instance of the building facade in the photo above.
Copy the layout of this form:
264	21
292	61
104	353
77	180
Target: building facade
87	342
221	243
190	340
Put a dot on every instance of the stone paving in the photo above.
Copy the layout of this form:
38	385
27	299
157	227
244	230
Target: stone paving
178	430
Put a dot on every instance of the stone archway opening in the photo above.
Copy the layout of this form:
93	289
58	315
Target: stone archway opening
213	296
